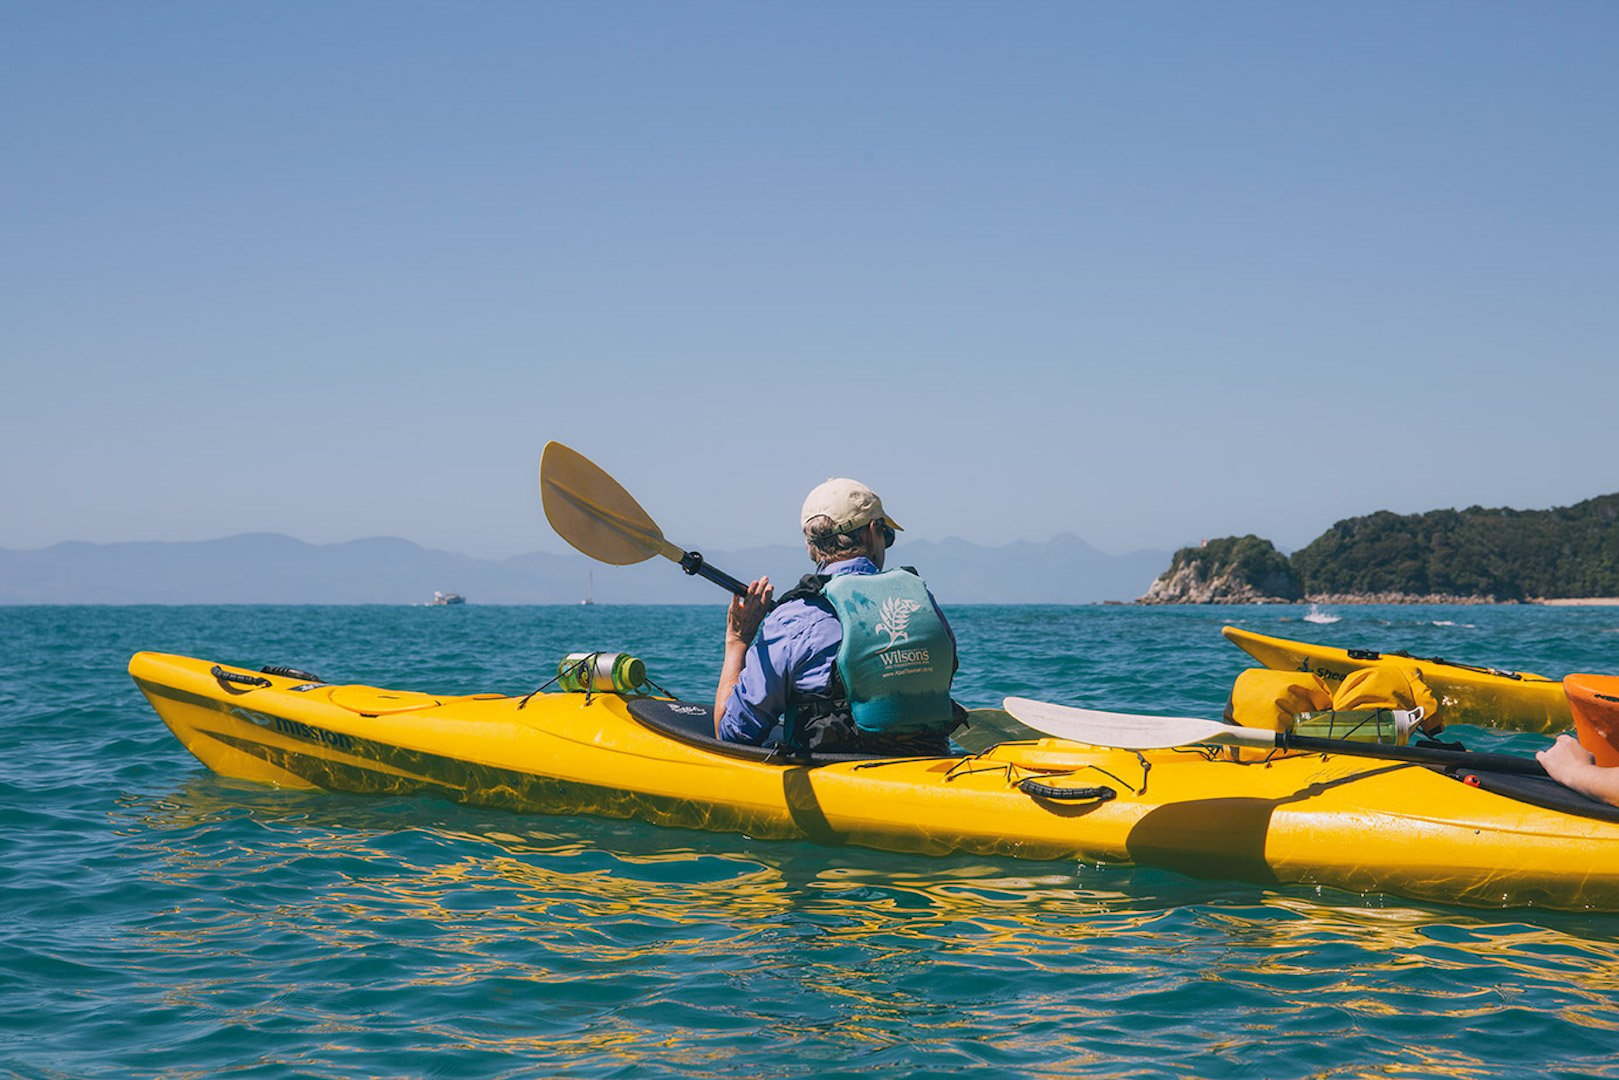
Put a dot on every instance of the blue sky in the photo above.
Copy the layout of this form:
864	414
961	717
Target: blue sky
1142	272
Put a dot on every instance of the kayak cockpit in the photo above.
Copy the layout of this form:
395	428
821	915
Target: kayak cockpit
693	724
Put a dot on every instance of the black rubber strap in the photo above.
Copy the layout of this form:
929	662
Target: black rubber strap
1416	752
1040	790
233	677
1405	654
290	673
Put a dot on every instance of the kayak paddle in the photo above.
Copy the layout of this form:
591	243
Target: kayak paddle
1131	732
593	512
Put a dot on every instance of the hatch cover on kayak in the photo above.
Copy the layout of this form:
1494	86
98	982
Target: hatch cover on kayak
369	701
694	724
1539	791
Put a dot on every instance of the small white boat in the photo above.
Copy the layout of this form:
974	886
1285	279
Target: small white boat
441	598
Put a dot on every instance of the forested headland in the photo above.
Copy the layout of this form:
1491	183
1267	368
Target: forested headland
1477	554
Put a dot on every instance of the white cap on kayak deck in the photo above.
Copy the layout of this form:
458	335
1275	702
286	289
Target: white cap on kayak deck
848	504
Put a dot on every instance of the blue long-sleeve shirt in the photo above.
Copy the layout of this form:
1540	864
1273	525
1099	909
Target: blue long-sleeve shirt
792	653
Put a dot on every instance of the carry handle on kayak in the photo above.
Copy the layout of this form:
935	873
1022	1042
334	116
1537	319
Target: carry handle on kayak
1057	793
237	677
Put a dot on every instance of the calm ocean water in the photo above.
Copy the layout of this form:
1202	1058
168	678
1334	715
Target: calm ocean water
160	921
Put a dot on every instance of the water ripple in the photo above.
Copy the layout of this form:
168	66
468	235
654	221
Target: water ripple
163	922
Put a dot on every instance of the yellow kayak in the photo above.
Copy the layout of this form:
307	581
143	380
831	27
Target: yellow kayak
1334	820
1487	697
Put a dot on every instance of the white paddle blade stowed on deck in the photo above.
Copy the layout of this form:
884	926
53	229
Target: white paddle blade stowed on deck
1124	731
1128	731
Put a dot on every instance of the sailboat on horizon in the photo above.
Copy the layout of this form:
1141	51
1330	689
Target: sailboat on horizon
590	591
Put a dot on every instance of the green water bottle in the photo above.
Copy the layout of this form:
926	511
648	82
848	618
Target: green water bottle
1391	727
600	672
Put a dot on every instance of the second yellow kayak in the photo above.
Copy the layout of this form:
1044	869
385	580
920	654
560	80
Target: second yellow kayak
1487	697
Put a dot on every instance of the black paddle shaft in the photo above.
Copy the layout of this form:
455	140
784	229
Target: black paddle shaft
1422	755
692	562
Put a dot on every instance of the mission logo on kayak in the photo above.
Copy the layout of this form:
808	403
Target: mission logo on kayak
299	730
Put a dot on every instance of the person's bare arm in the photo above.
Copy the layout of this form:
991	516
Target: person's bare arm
742	621
1572	765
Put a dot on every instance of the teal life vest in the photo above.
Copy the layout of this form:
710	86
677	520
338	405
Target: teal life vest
896	659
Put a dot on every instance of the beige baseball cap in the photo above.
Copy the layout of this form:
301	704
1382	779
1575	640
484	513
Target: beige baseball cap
848	503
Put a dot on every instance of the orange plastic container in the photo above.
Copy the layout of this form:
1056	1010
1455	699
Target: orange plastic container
1594	701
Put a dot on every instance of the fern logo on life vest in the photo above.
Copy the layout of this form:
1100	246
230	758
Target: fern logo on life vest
896	621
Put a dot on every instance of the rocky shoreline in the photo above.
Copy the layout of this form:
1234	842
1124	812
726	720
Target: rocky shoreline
1338	599
1400	598
1346	600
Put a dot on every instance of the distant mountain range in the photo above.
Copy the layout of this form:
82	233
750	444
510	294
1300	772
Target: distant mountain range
268	568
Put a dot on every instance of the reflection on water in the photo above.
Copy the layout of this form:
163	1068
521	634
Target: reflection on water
622	944
162	922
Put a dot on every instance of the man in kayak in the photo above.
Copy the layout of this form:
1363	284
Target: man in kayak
854	659
1573	766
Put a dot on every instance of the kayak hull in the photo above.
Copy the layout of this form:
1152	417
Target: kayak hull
1345	822
1485	697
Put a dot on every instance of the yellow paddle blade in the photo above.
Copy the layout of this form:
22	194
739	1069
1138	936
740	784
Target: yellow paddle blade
592	512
